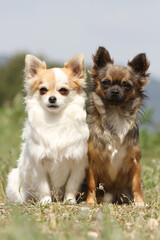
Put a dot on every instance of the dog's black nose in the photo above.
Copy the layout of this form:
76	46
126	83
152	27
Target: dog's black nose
52	99
115	93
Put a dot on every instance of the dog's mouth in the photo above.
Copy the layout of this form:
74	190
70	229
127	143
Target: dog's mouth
52	106
115	100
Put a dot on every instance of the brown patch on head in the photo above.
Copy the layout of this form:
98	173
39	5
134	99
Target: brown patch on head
34	85
43	79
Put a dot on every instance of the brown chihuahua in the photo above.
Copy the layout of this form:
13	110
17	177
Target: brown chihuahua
114	153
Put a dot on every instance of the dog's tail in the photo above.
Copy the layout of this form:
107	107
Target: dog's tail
14	192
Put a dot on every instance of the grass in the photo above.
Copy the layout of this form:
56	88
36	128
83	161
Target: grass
61	221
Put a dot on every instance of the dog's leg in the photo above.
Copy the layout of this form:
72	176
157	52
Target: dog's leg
44	191
135	176
40	190
75	179
35	184
92	184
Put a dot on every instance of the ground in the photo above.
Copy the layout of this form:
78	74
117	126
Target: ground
64	221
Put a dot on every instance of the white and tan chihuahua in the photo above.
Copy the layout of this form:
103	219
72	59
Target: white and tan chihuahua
54	149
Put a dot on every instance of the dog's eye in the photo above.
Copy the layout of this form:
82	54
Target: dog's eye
43	90
106	83
64	91
127	85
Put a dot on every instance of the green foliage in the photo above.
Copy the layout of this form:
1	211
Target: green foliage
11	78
11	122
150	142
147	117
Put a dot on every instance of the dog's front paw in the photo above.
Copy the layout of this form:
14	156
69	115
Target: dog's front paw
46	200
140	204
90	201
70	198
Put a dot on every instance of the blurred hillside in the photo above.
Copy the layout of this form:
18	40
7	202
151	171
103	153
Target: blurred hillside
11	83
152	90
3	59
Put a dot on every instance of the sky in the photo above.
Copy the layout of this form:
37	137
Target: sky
60	29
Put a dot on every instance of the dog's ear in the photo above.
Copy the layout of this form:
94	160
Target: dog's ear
101	58
33	65
139	64
76	65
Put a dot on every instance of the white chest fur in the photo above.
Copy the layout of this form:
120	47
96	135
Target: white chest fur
119	125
